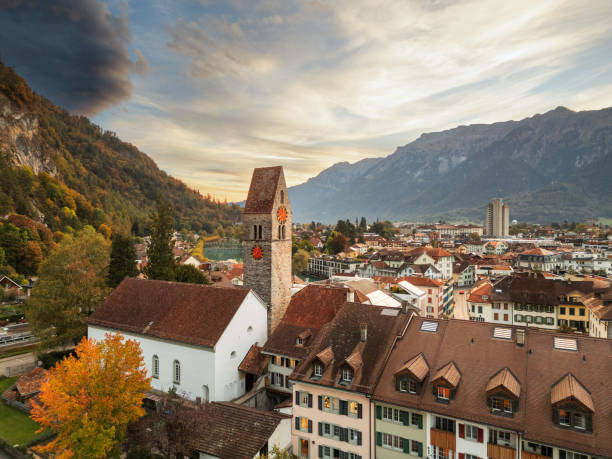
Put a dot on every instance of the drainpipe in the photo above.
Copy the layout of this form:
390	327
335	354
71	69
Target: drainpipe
519	444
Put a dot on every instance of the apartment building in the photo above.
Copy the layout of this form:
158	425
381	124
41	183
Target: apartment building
497	219
333	384
326	266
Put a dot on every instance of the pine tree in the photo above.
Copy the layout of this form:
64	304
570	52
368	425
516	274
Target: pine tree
122	260
160	264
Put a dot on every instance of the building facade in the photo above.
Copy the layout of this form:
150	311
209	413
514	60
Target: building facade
497	219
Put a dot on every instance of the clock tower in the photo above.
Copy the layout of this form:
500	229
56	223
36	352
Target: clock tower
267	241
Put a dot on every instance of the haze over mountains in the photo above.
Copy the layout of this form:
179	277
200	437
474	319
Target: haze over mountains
551	167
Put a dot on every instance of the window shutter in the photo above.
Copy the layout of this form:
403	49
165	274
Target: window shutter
320	451
420	449
359	411
297	397
420	418
461	456
480	435
378	412
343	407
379	438
405	417
346	435
461	430
359	438
561	454
297	423
309	400
320	429
309	426
320	402
406	444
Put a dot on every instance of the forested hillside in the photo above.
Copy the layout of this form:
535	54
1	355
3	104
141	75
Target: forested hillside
66	172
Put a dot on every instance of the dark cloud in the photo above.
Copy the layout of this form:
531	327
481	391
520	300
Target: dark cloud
72	51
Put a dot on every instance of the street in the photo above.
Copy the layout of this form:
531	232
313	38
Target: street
461	307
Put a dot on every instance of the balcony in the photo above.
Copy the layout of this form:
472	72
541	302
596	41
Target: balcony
443	439
500	452
528	455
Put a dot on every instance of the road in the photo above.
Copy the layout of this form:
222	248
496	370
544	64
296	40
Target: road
461	307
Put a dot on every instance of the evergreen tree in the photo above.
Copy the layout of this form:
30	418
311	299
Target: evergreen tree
160	263
122	260
363	226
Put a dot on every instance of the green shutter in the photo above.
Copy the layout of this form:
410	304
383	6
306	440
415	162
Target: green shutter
379	438
378	412
405	417
420	417
420	449
406	446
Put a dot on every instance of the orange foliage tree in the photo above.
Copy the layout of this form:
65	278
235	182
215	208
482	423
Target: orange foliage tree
89	399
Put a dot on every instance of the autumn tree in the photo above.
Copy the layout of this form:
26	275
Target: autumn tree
89	399
122	260
335	243
32	257
161	263
71	285
300	261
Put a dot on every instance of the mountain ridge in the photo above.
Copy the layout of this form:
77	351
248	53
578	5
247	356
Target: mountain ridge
452	174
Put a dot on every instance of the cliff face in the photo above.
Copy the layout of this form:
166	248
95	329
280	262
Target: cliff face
19	137
554	166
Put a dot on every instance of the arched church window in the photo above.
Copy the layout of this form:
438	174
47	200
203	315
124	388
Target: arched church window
282	196
279	232
260	236
177	372
254	231
283	231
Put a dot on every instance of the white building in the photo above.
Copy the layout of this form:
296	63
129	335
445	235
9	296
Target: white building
193	337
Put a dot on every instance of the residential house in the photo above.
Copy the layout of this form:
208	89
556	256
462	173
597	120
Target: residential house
10	287
435	291
193	337
477	247
464	273
26	389
539	259
333	385
411	294
496	247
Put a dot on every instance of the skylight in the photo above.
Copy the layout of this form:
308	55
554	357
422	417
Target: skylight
565	344
429	326
502	333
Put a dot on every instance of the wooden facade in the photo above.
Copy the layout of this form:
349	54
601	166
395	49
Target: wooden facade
443	439
501	452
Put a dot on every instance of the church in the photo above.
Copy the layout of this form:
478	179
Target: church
194	337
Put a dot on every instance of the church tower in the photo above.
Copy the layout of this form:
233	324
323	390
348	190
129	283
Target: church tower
267	241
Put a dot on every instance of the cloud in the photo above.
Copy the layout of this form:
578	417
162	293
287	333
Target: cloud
73	51
308	84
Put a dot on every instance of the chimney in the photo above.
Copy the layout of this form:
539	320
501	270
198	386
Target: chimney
364	332
520	336
350	296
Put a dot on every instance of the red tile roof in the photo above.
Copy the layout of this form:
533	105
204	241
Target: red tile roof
476	295
30	382
314	306
422	281
262	191
254	362
190	313
537	251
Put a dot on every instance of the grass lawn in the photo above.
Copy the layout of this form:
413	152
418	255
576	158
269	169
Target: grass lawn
15	426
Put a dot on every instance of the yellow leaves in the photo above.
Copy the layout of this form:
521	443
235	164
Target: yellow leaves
89	399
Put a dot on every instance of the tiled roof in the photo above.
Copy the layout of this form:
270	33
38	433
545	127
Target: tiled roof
448	373
422	281
254	362
416	366
30	382
537	365
262	191
476	295
569	388
537	251
506	380
190	313
234	431
326	356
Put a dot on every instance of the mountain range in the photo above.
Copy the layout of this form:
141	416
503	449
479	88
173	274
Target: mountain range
550	167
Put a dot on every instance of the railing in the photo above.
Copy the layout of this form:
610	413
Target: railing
500	452
443	439
528	455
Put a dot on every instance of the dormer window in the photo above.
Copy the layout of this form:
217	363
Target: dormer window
572	403
347	375
299	342
445	382
409	378
317	370
443	393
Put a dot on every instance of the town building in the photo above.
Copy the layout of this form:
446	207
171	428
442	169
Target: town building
497	219
326	266
193	337
539	259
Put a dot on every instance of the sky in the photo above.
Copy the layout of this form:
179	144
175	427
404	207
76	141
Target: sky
211	89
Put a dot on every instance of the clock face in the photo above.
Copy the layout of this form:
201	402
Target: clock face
257	252
281	214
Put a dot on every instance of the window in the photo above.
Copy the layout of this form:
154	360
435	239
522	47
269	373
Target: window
415	448
528	319
479	309
291	363
471	432
500	405
561	310
254	231
177	372
233	355
412	386
155	367
392	442
506	317
443	393
416	420
282	196
354	436
518	317
495	316
499	437
331	404
506	306
304	399
572	311
429	300
564	418
403	385
353	409
579	421
250	329
347	374
581	312
260	233
448	425
318	370
304	443
391	414
304	423
571	455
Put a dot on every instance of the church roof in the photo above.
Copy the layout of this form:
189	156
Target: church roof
189	313
262	191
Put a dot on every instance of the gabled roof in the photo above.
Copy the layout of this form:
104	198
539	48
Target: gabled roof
537	251
229	430
326	356
504	379
189	313
30	382
262	191
423	281
448	373
254	362
569	388
10	280
476	295
416	366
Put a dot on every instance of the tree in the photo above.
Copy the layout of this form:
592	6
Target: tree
474	237
363	226
160	263
384	229
335	243
2	257
32	257
122	260
300	261
89	399
189	274
71	285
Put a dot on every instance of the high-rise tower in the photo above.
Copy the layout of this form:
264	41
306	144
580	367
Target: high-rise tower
267	241
498	219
